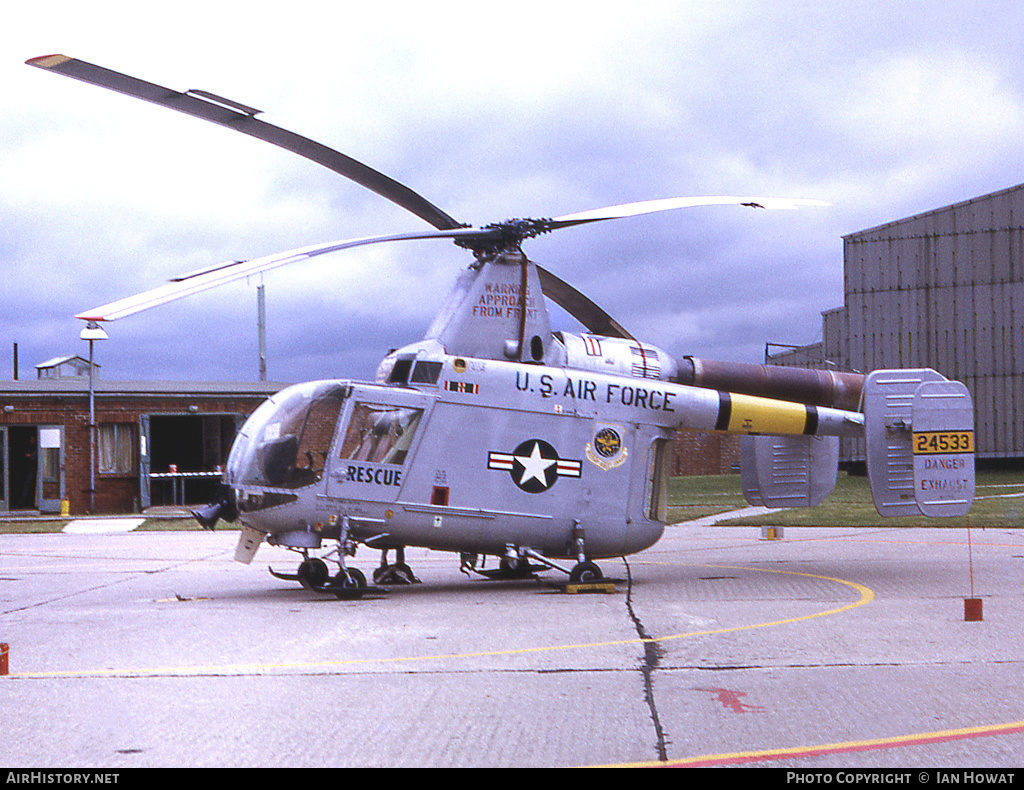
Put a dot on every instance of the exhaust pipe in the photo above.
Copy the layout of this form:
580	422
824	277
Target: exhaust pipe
801	385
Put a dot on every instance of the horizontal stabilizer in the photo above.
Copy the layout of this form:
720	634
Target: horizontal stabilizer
788	471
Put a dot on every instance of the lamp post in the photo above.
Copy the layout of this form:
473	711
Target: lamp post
261	326
92	332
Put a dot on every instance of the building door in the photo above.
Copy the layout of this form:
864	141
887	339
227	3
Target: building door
32	467
22	467
145	466
181	456
50	483
4	487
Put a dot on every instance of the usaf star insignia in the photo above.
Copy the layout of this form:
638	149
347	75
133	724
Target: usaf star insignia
534	465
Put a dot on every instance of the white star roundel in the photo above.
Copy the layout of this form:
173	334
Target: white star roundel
534	465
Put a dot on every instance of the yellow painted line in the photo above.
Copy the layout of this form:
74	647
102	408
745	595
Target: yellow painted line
843	747
865	596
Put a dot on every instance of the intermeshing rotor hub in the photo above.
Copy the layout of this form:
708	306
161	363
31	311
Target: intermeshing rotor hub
500	237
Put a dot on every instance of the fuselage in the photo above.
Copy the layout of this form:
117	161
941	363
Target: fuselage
476	455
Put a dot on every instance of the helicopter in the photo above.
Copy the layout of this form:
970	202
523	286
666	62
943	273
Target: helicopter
495	436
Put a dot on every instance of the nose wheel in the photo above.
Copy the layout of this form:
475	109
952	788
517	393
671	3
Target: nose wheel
349	583
313	573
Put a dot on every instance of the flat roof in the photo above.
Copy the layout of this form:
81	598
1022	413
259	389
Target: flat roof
80	386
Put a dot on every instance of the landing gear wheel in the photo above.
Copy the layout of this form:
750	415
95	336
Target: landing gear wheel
584	572
399	573
349	583
313	573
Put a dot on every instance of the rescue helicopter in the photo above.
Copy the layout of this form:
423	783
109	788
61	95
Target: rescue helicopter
495	436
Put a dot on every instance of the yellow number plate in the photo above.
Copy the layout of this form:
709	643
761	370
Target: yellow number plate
940	442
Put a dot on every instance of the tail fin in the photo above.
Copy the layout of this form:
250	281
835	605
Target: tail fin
919	428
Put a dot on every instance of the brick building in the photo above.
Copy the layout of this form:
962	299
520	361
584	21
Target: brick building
156	442
696	453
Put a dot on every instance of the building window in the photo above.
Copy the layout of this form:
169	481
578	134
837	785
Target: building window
116	444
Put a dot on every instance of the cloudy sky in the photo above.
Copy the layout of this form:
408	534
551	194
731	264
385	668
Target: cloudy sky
490	111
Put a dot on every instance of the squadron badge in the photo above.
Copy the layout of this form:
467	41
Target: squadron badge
607	451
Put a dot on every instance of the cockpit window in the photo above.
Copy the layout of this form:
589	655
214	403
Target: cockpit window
409	370
426	372
379	433
314	439
286	441
400	372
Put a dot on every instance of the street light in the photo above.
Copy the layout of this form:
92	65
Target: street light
92	332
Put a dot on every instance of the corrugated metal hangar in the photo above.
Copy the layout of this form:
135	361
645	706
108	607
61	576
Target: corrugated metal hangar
944	290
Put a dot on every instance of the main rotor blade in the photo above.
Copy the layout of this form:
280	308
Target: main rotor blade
583	309
241	118
214	276
564	295
233	115
668	204
596	320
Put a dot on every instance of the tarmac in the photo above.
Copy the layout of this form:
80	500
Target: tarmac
825	648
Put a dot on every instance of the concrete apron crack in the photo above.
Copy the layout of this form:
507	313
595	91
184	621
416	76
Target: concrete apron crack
652	657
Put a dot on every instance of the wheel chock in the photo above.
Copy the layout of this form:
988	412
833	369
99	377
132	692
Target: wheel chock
580	588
